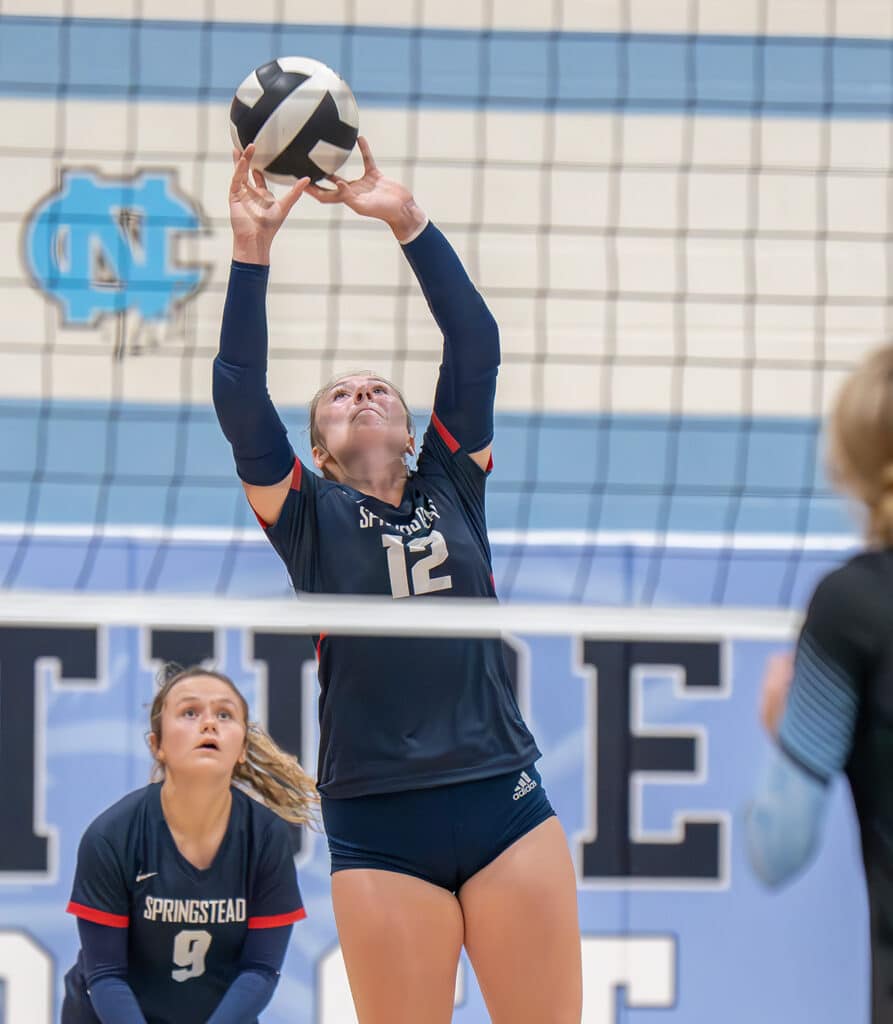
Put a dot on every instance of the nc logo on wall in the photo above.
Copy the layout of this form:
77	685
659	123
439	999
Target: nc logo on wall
106	246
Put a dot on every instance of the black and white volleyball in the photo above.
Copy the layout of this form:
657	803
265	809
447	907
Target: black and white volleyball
301	117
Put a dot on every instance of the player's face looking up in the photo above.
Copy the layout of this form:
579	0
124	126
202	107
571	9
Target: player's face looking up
202	727
356	418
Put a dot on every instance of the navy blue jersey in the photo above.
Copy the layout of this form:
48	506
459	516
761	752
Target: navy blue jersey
840	716
404	713
186	926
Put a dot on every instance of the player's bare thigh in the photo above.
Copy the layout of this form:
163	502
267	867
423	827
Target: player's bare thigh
401	938
522	931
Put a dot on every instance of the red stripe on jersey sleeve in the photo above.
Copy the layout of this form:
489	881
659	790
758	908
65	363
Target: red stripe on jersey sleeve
277	920
490	464
295	485
322	637
446	436
98	916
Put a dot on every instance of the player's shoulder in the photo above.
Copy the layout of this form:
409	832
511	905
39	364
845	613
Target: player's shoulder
867	575
124	810
859	590
309	489
321	487
438	441
116	823
442	457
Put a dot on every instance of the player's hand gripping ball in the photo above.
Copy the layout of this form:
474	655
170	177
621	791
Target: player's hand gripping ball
301	117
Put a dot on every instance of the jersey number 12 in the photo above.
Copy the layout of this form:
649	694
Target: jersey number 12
422	580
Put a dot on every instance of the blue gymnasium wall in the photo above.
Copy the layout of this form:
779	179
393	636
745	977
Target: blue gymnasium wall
681	231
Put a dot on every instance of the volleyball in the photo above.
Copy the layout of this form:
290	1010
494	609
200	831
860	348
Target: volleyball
300	115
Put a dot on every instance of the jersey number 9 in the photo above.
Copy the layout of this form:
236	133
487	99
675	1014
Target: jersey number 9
190	949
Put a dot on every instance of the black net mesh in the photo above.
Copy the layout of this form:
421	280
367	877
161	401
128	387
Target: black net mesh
684	236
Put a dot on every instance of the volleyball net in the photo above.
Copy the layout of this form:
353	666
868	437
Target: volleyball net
681	219
650	739
680	214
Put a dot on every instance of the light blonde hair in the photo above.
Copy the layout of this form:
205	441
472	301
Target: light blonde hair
268	771
316	437
860	455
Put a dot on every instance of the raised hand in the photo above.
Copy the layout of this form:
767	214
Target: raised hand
374	195
255	213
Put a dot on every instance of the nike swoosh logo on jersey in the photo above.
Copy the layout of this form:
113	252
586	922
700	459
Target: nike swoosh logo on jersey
149	874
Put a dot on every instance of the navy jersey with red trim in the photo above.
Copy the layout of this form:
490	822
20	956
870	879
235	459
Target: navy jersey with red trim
404	713
186	926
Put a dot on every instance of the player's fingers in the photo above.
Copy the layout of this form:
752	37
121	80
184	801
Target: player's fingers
327	195
368	159
343	187
246	154
239	181
241	161
295	193
259	179
322	195
249	192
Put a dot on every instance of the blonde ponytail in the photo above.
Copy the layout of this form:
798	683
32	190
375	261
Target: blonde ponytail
881	511
861	441
277	778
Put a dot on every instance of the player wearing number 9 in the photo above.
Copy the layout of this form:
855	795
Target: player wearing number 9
439	829
185	891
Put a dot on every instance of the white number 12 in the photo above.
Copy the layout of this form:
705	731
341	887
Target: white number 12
422	580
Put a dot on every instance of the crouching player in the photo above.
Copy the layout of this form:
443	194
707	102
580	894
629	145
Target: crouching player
185	891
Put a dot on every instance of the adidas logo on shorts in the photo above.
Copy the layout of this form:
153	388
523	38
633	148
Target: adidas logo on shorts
524	785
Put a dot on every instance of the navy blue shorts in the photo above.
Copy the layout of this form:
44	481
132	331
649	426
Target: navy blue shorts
443	835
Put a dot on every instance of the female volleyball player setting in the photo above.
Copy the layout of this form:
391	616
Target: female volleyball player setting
439	830
185	890
830	707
